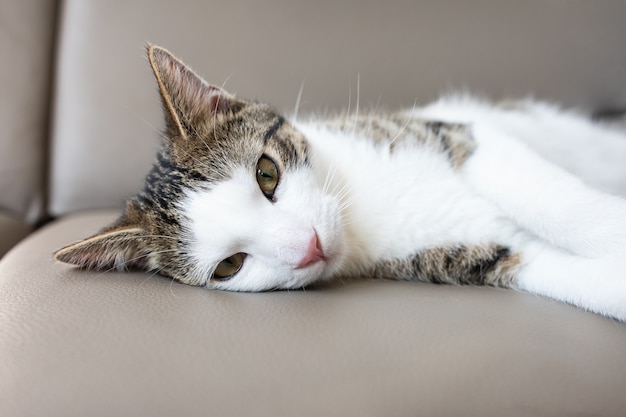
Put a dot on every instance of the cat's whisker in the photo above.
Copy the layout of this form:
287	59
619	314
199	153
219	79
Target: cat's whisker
333	183
296	109
195	130
377	105
171	288
347	116
159	271
136	258
223	87
370	121
340	279
154	273
343	190
400	132
330	176
344	221
346	204
330	172
358	98
404	126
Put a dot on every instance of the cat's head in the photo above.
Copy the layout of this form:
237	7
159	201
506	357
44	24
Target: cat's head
232	201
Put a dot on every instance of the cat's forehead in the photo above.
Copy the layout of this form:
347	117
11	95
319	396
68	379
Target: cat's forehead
241	138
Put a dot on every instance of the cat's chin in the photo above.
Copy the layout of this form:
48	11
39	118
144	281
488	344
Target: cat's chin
321	271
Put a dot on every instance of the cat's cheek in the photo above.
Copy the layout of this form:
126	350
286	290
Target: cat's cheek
265	274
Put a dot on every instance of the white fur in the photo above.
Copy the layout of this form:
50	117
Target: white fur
403	201
368	204
581	246
236	217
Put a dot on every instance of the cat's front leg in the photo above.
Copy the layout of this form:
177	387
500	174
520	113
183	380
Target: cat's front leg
594	284
543	198
461	264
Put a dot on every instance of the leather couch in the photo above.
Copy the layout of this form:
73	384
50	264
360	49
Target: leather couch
79	127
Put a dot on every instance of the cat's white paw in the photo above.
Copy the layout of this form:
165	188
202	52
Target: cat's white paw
594	284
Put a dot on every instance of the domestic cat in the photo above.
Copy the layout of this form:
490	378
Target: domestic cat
460	191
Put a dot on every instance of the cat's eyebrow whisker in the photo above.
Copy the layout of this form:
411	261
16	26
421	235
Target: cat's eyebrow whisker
195	130
223	87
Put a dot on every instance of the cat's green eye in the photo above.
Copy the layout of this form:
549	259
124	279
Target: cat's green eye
228	267
267	176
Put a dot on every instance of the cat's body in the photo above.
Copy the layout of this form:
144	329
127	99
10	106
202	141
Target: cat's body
459	191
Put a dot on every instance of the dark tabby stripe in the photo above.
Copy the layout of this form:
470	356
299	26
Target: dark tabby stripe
493	265
452	139
273	129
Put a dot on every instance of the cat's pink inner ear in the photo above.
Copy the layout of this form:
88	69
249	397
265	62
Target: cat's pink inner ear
185	93
218	100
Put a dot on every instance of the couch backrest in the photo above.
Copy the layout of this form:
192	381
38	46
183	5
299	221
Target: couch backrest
26	52
107	113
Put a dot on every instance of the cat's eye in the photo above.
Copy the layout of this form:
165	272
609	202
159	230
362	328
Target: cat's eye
267	176
228	267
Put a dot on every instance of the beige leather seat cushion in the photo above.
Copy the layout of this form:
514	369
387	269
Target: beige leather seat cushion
106	344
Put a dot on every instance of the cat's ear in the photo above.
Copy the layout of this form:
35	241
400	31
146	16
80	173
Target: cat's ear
121	247
187	99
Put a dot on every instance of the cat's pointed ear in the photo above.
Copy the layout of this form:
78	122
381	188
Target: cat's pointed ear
121	247
187	99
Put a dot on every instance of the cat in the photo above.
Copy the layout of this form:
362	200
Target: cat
461	191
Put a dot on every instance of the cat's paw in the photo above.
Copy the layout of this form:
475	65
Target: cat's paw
607	292
594	284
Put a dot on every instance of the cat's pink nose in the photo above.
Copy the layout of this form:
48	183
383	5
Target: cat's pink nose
314	253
